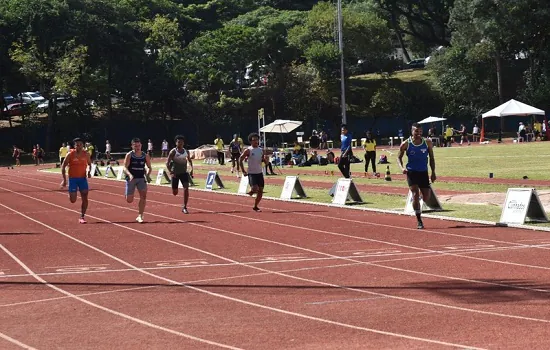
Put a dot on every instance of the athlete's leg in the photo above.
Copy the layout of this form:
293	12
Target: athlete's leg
142	201
73	190
130	190
175	182
259	196
84	207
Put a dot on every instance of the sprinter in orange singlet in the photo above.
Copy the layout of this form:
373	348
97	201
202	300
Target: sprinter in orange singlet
79	163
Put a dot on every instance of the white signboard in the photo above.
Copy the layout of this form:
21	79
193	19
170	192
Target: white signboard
120	172
160	175
522	203
243	186
292	185
345	190
93	169
432	204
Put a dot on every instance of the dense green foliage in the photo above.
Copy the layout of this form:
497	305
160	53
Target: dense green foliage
213	63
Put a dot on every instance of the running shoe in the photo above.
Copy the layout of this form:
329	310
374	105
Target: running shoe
139	219
82	220
420	225
256	209
184	210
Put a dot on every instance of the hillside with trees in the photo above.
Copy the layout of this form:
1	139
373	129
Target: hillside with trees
206	66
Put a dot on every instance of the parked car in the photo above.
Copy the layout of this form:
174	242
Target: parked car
15	109
8	98
31	97
62	102
415	64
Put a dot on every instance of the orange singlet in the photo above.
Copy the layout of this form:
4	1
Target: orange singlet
78	164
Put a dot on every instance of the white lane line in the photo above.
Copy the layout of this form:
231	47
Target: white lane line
174	261
111	311
74	266
343	301
265	307
16	342
305	249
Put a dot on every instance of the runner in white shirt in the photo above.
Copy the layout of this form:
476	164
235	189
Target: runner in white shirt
255	174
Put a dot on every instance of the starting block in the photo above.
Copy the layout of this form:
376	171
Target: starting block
211	178
292	185
522	203
345	190
432	204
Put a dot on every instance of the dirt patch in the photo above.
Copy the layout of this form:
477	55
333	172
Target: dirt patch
489	198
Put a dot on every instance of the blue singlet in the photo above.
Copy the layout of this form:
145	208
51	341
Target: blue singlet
417	156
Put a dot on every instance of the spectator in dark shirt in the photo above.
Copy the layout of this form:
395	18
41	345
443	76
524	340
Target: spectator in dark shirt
347	152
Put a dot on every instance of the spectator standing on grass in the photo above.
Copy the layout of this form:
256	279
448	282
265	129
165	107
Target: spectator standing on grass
150	148
235	148
418	149
63	151
347	152
164	149
91	150
107	149
370	152
218	143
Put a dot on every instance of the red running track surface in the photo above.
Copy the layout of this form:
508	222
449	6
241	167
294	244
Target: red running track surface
294	276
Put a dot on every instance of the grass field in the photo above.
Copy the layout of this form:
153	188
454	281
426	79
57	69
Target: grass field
510	161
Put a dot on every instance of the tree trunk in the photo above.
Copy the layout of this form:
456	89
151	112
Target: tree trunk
399	37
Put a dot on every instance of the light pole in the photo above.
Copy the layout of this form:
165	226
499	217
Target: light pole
342	74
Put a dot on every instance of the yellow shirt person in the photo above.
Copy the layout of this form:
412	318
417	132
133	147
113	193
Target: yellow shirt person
218	142
369	146
63	151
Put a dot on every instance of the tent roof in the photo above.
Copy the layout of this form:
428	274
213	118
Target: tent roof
512	107
281	126
431	120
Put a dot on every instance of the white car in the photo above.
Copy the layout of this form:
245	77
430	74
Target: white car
31	97
62	102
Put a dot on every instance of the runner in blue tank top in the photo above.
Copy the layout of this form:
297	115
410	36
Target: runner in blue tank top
418	150
136	175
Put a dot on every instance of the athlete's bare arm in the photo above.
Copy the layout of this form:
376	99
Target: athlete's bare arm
89	160
127	164
432	159
402	150
148	163
245	154
63	171
169	161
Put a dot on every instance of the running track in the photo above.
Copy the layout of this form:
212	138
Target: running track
295	276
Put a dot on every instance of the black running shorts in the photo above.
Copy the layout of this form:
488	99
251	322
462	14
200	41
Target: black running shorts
184	178
419	178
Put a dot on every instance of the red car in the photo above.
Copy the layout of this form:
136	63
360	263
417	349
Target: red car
15	109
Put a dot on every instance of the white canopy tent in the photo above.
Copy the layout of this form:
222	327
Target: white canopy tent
434	120
509	108
431	120
512	107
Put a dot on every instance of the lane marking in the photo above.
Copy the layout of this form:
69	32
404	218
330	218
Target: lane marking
300	278
286	312
343	301
75	266
16	342
111	311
